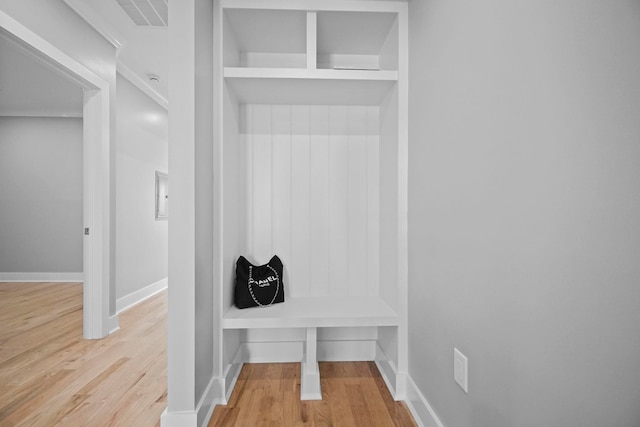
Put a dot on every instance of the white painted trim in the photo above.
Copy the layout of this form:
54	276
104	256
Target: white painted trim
309	74
272	352
232	372
41	277
35	113
420	408
98	22
325	5
310	381
142	84
312	40
403	201
213	395
114	324
140	295
293	351
309	370
230	379
96	213
179	419
113	36
309	312
346	351
51	55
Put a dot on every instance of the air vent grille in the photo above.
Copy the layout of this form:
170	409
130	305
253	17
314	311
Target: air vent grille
146	13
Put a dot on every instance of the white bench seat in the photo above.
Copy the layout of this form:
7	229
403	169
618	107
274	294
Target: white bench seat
321	312
312	313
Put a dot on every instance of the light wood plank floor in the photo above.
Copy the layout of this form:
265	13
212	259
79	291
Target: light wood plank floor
50	376
354	395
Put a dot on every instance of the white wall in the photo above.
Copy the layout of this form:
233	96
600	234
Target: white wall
190	318
142	149
40	195
524	207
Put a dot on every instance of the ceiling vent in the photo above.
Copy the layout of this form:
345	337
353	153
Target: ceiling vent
146	13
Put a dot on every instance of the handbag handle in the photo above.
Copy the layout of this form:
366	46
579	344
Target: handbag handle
250	281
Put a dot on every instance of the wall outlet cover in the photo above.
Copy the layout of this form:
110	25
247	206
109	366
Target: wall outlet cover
460	369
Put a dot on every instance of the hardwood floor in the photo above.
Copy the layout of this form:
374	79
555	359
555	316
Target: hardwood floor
50	376
354	395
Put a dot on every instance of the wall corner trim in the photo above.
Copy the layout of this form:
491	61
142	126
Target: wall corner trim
422	412
212	396
98	22
128	301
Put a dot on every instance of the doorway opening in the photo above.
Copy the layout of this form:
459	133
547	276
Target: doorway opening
96	165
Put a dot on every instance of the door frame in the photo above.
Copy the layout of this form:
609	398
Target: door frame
97	322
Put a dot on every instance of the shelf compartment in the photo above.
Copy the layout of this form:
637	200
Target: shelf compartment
357	40
265	38
330	311
312	87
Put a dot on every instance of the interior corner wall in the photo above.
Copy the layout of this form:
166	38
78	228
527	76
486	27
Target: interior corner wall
203	121
63	28
523	210
40	195
190	317
142	149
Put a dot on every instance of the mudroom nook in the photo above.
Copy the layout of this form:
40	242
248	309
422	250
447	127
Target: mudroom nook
310	163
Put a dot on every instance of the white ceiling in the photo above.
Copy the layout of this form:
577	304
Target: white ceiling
28	87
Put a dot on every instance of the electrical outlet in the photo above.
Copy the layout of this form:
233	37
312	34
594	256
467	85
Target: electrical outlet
461	369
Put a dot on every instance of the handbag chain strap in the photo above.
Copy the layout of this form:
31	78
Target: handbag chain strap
250	281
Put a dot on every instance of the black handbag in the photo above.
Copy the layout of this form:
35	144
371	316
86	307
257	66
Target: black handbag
258	285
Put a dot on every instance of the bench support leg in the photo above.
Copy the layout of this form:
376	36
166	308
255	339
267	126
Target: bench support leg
310	375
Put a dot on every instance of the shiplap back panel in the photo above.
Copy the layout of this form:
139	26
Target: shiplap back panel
313	195
389	198
233	205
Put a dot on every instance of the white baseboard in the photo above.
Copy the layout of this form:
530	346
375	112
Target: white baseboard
140	295
420	408
179	419
213	395
388	373
230	379
232	372
41	277
114	324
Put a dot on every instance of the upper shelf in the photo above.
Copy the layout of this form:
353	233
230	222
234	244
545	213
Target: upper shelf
310	39
312	87
309	74
316	57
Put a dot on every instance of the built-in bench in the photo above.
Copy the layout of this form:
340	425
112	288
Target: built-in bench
313	313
